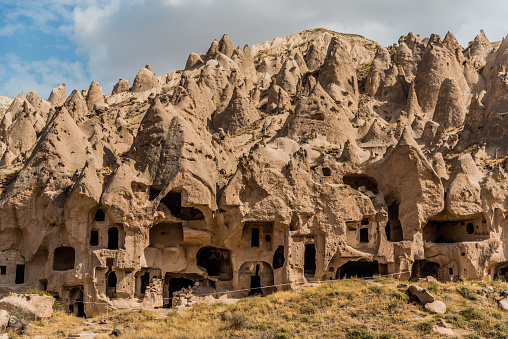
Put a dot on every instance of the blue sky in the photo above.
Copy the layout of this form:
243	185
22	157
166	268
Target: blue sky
44	43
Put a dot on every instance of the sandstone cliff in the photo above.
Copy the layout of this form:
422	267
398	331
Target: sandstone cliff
314	156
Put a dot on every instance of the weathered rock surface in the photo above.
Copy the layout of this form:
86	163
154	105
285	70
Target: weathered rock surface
421	294
436	307
28	306
314	156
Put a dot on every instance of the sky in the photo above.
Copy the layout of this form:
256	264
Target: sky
45	43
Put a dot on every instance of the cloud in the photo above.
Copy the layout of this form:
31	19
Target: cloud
19	75
122	36
118	37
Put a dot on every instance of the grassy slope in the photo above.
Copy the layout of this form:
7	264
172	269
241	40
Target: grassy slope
350	308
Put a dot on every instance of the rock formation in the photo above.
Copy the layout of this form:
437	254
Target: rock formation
314	156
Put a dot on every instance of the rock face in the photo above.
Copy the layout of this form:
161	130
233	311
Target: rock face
28	306
314	156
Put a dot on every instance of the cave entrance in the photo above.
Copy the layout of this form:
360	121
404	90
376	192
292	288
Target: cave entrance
216	262
63	258
424	268
113	238
174	285
278	258
163	235
20	274
357	181
173	201
145	282
446	228
76	305
393	228
111	285
360	269
309	265
255	283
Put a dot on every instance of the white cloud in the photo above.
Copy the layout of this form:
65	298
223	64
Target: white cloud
120	36
41	75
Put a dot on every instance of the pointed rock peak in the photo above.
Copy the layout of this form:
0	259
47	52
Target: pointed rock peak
155	113
406	139
21	96
94	95
450	40
375	132
121	86
351	153
413	108
33	97
226	46
145	80
450	108
57	96
149	67
468	166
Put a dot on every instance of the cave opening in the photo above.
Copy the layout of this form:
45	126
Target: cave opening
99	215
111	286
165	235
20	274
360	269
393	228
445	228
175	285
94	238
255	283
63	258
173	201
278	257
113	238
309	265
360	180
216	262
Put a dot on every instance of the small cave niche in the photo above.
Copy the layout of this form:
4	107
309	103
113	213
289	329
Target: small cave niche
360	180
501	271
99	215
113	238
94	238
309	264
173	201
278	258
163	235
111	285
445	228
360	269
63	258
327	172
424	268
393	228
144	282
364	235
216	262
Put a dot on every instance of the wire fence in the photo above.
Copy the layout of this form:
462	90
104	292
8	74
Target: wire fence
218	294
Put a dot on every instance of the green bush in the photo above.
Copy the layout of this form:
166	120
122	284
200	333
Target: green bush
467	293
359	333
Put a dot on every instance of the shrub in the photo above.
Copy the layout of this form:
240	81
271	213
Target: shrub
359	333
471	313
467	293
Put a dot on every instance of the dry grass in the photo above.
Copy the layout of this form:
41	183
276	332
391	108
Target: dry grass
350	308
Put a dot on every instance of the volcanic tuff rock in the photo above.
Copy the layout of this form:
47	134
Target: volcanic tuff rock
318	155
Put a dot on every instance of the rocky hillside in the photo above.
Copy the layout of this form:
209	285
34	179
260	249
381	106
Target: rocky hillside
314	156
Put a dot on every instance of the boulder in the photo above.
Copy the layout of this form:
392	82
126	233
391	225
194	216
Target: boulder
421	294
4	319
28	306
436	307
